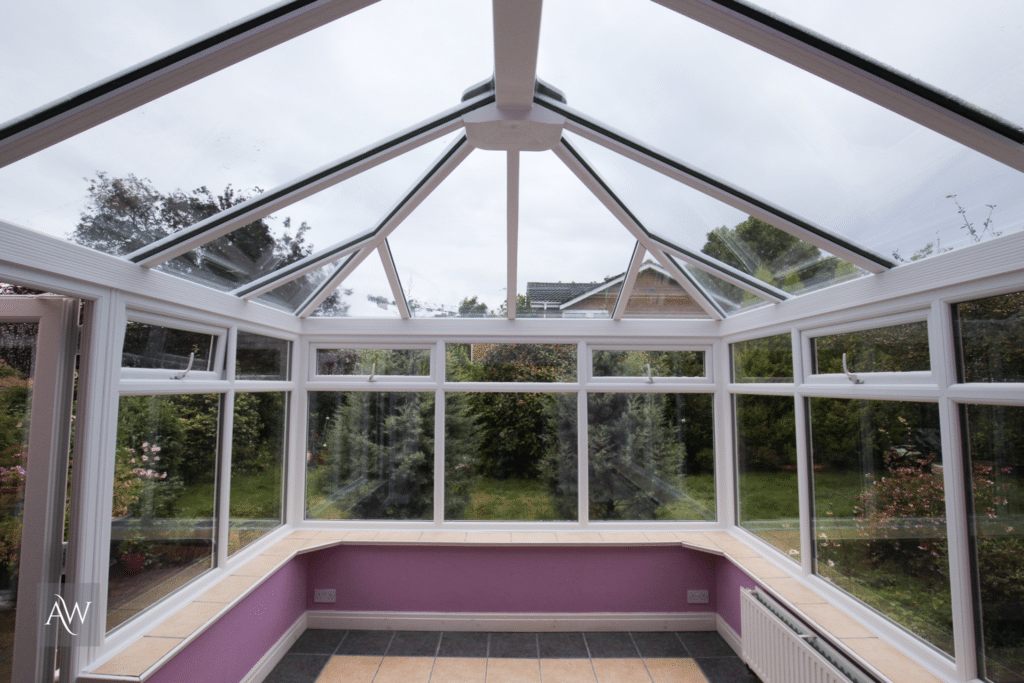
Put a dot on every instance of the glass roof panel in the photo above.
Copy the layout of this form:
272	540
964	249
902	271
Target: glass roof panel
774	130
729	297
658	295
291	295
452	248
366	293
570	245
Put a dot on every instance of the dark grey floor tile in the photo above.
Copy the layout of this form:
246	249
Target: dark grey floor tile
463	644
611	645
706	644
414	644
297	669
365	643
726	670
317	641
514	645
562	646
659	644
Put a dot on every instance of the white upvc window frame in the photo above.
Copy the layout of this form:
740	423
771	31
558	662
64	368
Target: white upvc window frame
218	362
707	379
314	380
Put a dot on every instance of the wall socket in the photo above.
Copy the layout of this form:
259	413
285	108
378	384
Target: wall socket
697	597
328	595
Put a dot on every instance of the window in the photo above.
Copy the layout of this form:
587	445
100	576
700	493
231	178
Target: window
769	359
897	348
149	346
258	438
262	358
989	332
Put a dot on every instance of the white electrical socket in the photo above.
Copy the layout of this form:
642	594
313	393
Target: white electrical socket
328	595
697	597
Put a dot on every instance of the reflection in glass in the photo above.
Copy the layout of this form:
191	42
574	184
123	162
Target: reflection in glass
153	346
636	363
989	334
262	358
879	510
766	467
511	362
657	294
162	520
511	456
289	296
769	359
257	457
373	362
994	437
371	455
897	348
651	456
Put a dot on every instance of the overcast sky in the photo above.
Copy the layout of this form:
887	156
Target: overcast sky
716	104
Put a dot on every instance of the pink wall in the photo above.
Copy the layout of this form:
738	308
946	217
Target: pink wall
511	579
728	581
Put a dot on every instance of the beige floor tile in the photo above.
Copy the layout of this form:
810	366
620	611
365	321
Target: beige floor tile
286	546
398	536
793	591
443	537
350	669
187	620
361	535
621	671
513	671
566	671
303	533
228	589
835	621
459	670
623	537
137	657
261	566
890	661
488	537
578	537
404	670
675	671
760	567
696	539
661	536
534	537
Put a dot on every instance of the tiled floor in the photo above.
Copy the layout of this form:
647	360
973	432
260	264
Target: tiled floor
321	656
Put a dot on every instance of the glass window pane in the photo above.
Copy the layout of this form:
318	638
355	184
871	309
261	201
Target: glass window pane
897	348
259	357
651	456
657	294
769	359
371	455
257	466
990	332
769	504
373	361
511	456
511	362
636	363
162	520
879	510
153	346
994	437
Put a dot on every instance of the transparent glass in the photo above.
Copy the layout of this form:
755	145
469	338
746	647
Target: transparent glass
879	510
371	455
291	295
365	293
262	358
651	456
168	348
373	361
510	362
897	348
989	334
656	294
769	359
511	456
165	479
769	505
994	435
256	499
635	363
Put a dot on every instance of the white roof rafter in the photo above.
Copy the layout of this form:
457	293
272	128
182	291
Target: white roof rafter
516	41
630	281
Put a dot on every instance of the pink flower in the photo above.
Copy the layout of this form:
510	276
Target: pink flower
145	459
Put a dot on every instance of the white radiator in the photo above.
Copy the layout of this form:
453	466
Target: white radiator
779	649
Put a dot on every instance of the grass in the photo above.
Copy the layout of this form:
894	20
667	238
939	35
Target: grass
253	496
511	499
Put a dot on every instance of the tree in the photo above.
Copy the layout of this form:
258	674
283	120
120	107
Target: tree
471	308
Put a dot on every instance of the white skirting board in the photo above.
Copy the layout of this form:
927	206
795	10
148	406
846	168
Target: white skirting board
501	621
278	650
729	636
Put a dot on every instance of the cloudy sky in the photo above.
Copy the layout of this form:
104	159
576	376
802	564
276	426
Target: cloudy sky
716	104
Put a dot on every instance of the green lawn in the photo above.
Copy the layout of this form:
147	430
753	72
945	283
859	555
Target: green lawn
510	499
253	496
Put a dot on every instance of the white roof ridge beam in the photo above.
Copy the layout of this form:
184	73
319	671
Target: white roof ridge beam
165	73
333	281
342	169
454	155
942	112
516	41
388	261
719	189
630	282
593	183
512	234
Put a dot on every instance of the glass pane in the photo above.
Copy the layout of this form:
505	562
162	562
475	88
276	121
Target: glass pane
371	455
511	362
373	361
366	293
17	363
769	504
990	332
259	357
511	457
651	456
769	359
257	466
657	294
994	435
289	296
167	348
879	510
898	348
636	363
165	479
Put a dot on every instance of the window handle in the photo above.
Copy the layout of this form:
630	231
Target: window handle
849	375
